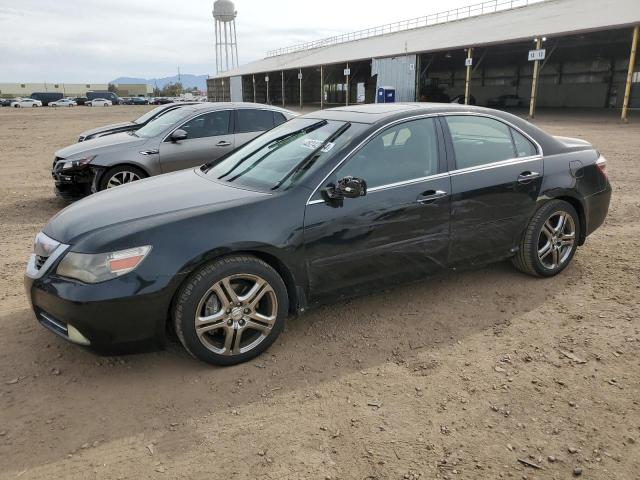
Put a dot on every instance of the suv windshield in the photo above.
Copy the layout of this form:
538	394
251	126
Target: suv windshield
150	114
279	158
160	124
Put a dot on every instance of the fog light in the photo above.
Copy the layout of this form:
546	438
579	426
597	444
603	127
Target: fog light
75	336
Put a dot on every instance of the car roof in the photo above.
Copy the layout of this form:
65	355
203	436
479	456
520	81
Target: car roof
211	106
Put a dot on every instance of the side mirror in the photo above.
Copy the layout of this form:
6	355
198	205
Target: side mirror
178	135
347	187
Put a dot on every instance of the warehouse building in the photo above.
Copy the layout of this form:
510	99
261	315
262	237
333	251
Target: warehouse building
561	53
8	90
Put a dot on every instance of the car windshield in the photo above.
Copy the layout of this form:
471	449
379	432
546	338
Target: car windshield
149	115
163	122
281	157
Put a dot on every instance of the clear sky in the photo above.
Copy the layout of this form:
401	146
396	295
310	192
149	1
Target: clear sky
97	40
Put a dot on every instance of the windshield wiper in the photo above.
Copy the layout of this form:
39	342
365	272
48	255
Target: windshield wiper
306	162
274	143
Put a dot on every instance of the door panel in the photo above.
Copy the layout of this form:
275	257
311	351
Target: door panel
396	232
193	152
495	185
385	236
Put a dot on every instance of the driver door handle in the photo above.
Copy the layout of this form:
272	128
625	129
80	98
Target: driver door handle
431	196
223	143
526	177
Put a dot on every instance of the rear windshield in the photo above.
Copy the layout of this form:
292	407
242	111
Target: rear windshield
281	157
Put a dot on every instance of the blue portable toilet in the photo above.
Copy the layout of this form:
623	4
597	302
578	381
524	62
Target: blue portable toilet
386	95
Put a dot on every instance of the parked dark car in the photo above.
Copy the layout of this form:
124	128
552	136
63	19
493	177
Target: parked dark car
460	99
137	101
162	100
6	102
331	204
115	99
130	126
46	97
505	101
80	100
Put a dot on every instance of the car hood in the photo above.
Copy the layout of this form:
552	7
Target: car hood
168	195
101	144
114	126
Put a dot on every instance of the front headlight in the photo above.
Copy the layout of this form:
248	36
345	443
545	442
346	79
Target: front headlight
94	268
79	163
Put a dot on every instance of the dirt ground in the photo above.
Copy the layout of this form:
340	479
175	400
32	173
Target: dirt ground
481	374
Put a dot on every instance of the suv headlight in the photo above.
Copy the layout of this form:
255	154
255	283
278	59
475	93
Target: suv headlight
94	268
79	163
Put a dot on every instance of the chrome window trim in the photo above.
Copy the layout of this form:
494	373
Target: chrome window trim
193	118
364	142
389	186
460	171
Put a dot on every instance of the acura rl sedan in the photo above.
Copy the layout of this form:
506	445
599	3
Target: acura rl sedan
331	204
182	138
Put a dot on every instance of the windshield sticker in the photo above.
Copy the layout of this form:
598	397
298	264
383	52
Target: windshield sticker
312	144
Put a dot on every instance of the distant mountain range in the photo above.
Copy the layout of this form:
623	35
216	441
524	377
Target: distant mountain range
188	81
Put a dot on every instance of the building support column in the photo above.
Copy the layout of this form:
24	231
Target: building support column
632	64
266	79
321	87
282	79
347	99
534	82
300	80
253	77
467	84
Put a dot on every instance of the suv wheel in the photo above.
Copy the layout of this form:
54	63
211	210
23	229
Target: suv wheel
550	241
231	310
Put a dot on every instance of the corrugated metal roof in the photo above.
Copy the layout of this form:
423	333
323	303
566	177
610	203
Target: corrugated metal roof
551	18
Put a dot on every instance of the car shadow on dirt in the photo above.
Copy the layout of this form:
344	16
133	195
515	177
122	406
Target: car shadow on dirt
43	373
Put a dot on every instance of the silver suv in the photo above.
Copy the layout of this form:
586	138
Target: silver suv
185	137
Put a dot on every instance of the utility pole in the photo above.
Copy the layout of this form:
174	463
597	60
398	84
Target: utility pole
467	83
534	82
632	63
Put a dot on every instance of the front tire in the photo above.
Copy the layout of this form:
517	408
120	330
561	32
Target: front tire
120	175
231	310
550	240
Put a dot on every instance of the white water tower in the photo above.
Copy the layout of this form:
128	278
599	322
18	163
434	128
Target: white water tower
224	15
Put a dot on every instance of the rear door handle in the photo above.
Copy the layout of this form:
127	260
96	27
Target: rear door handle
223	143
526	177
431	196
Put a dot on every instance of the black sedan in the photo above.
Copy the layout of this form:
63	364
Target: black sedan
331	204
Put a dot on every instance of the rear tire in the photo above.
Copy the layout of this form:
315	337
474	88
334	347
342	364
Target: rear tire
231	310
550	240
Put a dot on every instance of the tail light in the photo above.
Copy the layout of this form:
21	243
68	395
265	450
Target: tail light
601	163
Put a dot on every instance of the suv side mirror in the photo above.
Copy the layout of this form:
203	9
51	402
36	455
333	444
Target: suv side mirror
347	187
178	135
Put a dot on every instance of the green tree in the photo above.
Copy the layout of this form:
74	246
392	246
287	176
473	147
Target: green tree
172	90
112	88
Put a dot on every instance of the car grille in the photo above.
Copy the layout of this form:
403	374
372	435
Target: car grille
40	261
57	164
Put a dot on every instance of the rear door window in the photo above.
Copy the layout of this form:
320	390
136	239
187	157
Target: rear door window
479	140
250	120
524	147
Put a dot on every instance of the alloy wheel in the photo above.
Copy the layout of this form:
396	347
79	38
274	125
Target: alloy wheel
557	240
121	178
236	314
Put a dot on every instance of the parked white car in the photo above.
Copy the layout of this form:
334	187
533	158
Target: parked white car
99	102
26	102
63	102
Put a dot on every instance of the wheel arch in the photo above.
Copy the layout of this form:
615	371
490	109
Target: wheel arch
573	200
295	293
100	170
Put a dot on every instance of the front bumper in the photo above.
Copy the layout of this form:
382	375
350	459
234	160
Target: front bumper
72	184
124	313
